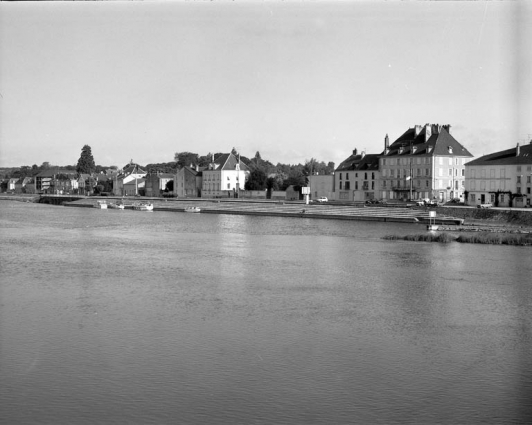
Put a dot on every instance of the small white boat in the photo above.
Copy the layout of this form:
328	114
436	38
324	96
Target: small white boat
118	206
193	209
101	204
143	206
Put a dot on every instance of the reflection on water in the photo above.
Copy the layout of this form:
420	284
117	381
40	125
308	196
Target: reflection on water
126	317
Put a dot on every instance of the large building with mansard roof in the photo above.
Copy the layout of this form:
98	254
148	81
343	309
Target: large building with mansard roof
425	162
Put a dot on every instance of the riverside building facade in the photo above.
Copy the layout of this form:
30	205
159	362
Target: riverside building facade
425	162
502	178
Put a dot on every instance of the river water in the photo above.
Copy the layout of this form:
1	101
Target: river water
161	317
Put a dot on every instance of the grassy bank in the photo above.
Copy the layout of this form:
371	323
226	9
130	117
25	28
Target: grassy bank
516	218
480	238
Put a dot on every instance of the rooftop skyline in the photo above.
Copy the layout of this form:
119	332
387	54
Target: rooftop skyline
292	80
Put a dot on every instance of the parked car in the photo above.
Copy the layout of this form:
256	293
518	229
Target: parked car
486	205
430	203
322	199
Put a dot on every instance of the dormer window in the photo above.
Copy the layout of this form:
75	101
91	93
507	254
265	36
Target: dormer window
450	148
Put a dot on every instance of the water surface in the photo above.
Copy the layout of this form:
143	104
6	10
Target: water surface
137	317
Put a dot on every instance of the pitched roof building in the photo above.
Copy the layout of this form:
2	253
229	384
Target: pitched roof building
501	178
425	162
356	178
224	177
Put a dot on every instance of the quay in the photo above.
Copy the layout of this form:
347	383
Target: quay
281	209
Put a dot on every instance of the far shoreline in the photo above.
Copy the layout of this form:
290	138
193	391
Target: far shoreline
474	219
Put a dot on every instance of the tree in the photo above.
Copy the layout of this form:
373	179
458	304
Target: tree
257	180
169	186
86	163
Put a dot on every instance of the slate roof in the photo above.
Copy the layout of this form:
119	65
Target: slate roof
227	161
360	163
506	157
439	143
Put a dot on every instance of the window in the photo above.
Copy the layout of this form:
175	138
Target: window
365	176
347	185
426	171
492	185
518	179
482	185
472	173
519	189
483	173
372	185
450	159
383	161
372	176
419	171
518	168
472	197
528	179
502	198
463	172
340	179
492	198
384	183
347	178
450	171
228	185
340	185
503	173
426	183
356	185
440	160
492	173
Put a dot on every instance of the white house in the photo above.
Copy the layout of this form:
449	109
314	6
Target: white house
224	177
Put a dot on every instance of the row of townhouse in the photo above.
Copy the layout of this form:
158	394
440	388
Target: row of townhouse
428	162
425	162
225	176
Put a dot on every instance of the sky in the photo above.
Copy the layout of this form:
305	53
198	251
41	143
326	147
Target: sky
293	80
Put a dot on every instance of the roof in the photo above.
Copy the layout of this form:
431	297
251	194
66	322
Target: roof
360	163
227	161
506	157
431	139
132	169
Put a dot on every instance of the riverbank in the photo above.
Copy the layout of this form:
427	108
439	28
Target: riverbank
461	219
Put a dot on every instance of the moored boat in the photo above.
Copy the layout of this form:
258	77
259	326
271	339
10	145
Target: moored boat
101	204
143	206
117	206
193	209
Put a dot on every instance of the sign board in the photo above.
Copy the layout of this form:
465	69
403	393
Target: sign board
432	214
305	190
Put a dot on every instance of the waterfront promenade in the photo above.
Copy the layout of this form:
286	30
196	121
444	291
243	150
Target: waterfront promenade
284	209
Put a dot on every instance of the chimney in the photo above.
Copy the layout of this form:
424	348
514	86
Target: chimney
197	167
386	145
355	151
417	130
362	154
428	132
517	150
448	128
